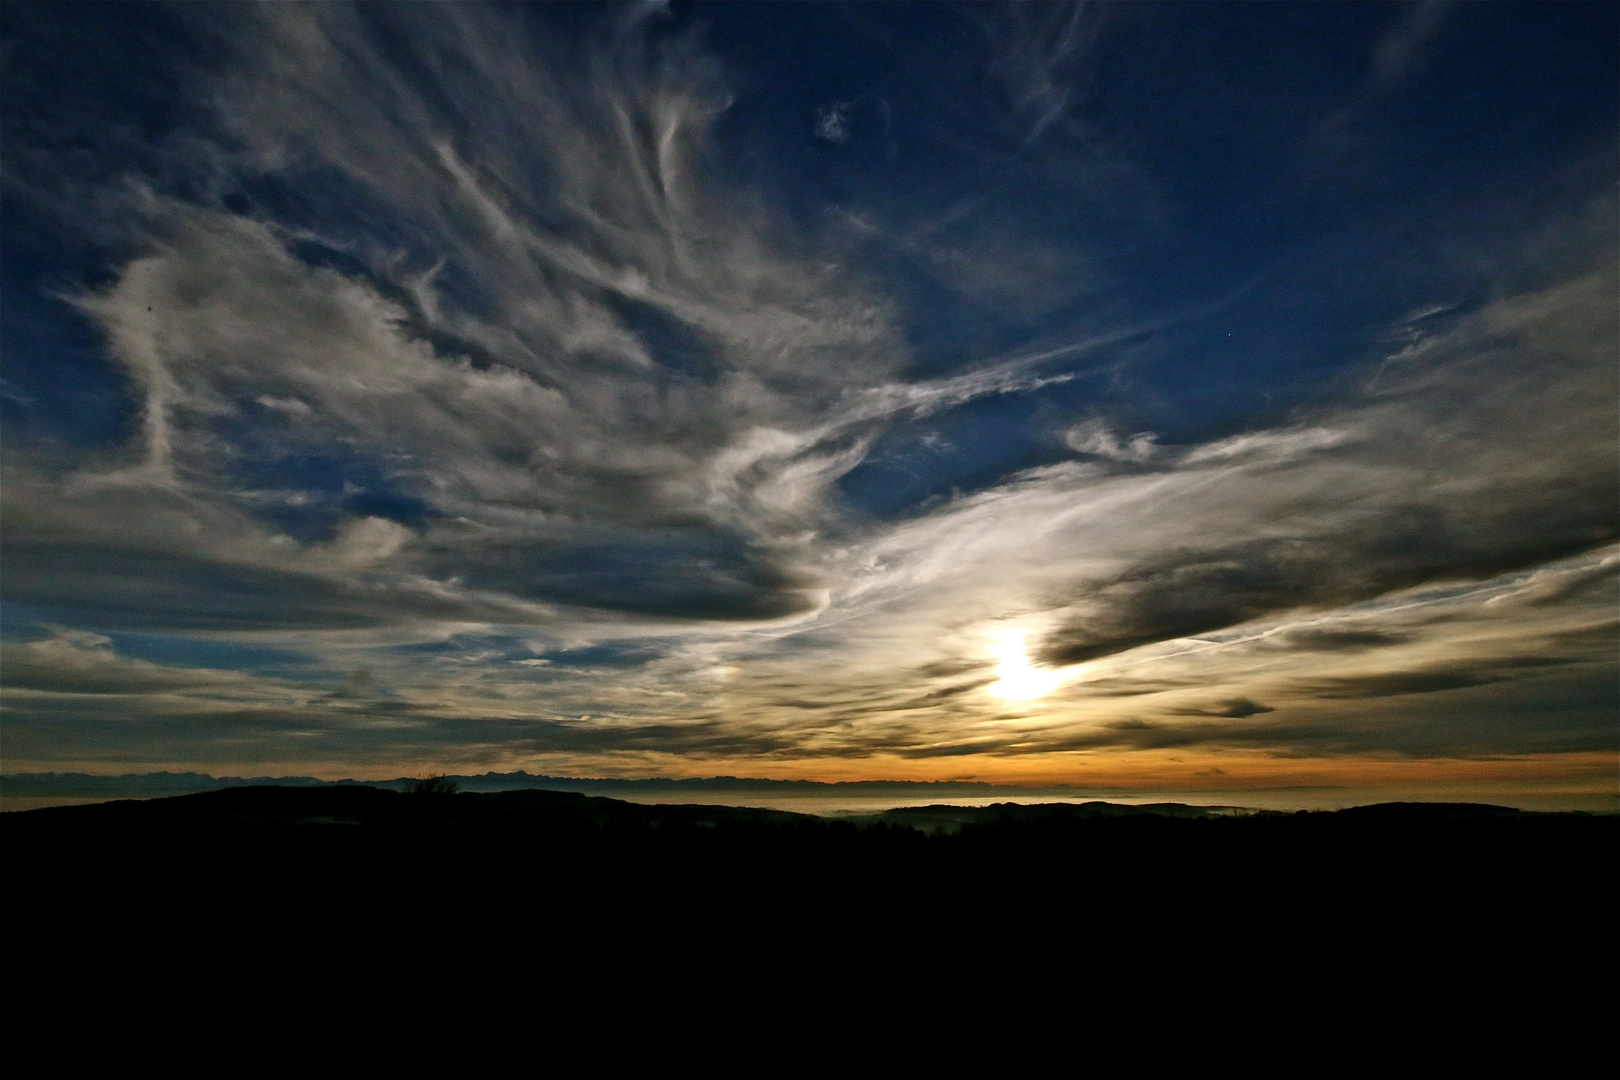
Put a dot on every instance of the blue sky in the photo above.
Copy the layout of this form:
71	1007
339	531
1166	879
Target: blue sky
1123	393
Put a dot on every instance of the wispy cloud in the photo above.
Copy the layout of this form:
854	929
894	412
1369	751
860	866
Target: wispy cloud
1400	50
1041	52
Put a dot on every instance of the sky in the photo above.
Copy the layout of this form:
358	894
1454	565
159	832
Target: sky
1141	395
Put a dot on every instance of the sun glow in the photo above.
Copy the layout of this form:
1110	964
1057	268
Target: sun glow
1017	678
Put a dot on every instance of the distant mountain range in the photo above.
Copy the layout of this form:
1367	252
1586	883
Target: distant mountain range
154	785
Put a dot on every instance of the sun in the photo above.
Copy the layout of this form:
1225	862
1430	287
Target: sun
1017	678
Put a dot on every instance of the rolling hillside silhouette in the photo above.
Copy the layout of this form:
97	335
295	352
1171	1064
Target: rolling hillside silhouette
356	866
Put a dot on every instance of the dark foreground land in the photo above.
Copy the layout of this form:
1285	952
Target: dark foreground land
373	872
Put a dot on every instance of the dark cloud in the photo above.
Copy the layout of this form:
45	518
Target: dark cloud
959	688
1318	640
1594	641
104	586
690	574
30	670
1434	679
1237	708
1187	592
942	669
1572	714
1130	687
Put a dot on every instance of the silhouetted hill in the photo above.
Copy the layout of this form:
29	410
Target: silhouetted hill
361	871
1422	811
264	806
273	807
